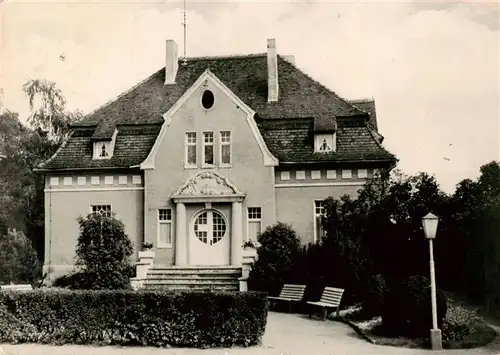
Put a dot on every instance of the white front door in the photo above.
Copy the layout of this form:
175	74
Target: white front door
210	236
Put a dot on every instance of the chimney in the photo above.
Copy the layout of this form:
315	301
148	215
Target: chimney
272	71
172	62
289	58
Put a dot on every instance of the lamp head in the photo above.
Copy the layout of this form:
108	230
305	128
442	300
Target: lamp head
430	223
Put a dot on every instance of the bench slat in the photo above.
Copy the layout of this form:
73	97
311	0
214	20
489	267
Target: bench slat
290	292
331	296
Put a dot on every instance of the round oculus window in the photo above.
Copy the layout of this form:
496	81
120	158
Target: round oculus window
207	99
209	227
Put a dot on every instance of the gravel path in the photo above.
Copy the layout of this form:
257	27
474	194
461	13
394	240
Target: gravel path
287	334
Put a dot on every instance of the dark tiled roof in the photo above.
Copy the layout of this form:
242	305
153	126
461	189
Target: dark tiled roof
367	105
246	76
301	99
132	146
295	143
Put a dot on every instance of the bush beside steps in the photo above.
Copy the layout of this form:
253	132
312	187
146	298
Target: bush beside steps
148	318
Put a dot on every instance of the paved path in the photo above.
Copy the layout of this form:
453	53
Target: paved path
287	334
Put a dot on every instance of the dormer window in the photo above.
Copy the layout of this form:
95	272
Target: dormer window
324	142
103	149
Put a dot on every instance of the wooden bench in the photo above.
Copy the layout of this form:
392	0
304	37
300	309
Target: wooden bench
290	293
23	287
330	298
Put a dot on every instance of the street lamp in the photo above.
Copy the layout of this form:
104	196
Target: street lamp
430	223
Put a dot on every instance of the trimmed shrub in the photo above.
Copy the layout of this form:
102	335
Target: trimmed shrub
407	308
103	254
279	248
123	317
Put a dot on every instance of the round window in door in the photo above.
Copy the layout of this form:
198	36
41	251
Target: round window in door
210	227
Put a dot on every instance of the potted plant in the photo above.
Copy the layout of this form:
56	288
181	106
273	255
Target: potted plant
250	248
146	252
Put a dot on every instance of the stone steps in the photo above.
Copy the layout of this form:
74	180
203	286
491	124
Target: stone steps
193	278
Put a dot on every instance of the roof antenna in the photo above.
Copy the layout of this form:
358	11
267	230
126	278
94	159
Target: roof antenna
184	24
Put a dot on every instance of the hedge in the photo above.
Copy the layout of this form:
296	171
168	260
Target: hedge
148	318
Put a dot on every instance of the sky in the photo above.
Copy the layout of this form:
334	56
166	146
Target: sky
432	67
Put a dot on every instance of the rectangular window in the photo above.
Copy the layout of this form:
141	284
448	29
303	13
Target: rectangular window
208	148
108	180
324	142
68	181
254	223
102	150
319	213
285	175
82	180
225	148
164	228
362	173
190	149
331	174
316	174
346	174
105	210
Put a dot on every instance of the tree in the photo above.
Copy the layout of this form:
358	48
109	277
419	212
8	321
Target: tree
103	252
476	209
47	105
279	247
18	259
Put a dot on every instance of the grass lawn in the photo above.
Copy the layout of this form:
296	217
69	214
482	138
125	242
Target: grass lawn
463	329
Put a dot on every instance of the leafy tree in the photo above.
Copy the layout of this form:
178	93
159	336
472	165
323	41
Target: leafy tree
476	210
47	105
103	252
18	259
25	147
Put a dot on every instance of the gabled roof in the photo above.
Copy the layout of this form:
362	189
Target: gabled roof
300	98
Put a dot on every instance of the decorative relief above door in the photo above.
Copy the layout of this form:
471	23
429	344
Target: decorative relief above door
207	183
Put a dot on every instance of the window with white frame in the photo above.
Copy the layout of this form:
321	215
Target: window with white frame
254	217
190	153
104	210
225	148
324	142
102	150
164	228
319	213
208	148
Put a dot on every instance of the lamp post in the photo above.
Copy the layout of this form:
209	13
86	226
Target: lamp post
430	223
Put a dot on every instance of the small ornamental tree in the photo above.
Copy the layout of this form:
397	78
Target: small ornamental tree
278	251
103	253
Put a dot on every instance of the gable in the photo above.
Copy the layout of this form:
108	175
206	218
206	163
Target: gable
208	79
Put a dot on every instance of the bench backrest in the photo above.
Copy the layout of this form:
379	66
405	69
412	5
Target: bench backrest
332	296
294	292
16	287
